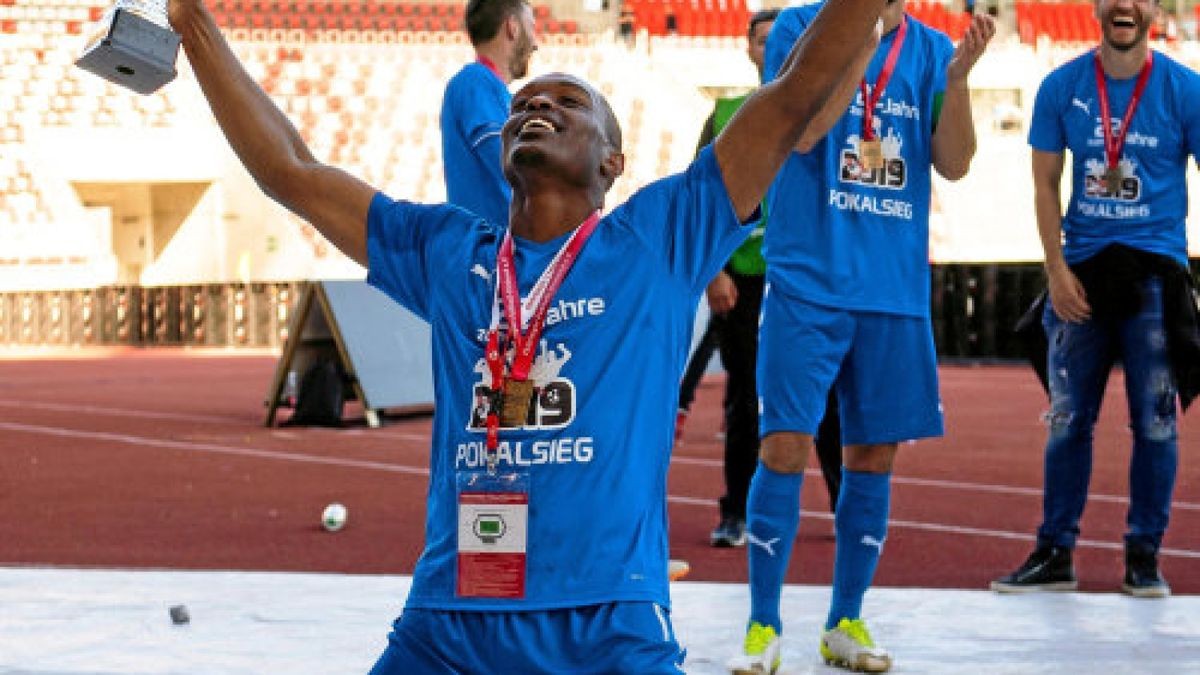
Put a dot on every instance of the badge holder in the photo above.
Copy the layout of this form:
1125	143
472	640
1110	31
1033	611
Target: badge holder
493	520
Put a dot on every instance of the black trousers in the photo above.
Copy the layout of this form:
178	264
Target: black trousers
698	363
737	339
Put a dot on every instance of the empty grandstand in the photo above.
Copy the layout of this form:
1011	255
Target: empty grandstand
103	189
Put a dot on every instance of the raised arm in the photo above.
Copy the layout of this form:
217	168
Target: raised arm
264	139
837	102
752	148
954	139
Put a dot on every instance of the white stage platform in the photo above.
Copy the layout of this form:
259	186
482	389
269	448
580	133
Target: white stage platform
59	621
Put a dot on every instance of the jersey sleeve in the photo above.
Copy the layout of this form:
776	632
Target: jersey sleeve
788	28
481	108
403	241
688	222
1046	131
1190	113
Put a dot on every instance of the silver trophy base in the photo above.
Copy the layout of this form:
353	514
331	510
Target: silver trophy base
133	52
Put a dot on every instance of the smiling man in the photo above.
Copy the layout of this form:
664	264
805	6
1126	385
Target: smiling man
546	513
1116	264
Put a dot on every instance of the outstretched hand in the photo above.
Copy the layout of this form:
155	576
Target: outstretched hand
972	46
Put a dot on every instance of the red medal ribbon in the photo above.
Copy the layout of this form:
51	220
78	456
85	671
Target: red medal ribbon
525	346
1115	143
871	99
490	65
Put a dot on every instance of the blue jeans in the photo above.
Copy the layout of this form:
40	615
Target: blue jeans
1081	356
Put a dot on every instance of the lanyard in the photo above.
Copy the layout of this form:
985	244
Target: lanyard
491	65
885	74
1114	143
536	307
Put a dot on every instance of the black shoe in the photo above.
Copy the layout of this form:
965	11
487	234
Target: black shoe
1048	568
731	531
1142	578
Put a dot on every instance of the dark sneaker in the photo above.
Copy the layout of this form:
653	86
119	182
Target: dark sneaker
1048	568
1142	578
729	532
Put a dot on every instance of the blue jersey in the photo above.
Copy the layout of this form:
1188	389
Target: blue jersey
1149	209
608	367
474	108
843	236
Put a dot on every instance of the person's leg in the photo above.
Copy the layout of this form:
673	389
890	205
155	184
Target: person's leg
801	347
861	526
739	347
416	643
1079	359
698	363
614	637
1151	391
829	449
888	392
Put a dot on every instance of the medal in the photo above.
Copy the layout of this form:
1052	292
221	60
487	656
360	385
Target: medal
514	402
1112	180
870	154
1114	142
512	390
870	149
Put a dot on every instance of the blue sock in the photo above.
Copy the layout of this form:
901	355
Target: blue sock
861	526
772	517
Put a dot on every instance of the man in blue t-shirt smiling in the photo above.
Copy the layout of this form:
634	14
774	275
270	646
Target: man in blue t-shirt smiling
1114	260
546	513
475	105
847	307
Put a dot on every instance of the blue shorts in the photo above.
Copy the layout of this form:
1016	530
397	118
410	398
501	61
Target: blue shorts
883	367
618	637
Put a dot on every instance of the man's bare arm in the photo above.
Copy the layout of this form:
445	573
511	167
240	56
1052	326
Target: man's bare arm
271	149
1066	293
837	103
754	145
954	139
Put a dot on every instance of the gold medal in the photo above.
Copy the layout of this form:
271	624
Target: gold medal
870	154
518	395
1112	180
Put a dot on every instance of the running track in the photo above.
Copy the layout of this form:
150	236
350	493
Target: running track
158	458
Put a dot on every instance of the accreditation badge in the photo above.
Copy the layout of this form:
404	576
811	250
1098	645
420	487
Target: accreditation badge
493	523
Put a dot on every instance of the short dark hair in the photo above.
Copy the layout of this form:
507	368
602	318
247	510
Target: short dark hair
761	16
484	17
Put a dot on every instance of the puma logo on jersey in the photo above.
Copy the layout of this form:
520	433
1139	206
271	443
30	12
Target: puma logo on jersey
483	273
768	546
1082	106
868	540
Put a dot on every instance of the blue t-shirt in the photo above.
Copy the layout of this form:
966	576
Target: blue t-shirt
1152	204
842	236
609	366
474	108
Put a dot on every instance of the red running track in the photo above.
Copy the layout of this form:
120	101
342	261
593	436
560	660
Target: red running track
158	458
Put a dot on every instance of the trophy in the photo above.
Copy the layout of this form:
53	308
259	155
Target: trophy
133	46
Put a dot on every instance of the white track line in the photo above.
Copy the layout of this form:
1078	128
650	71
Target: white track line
259	453
677	459
115	412
958	485
957	529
